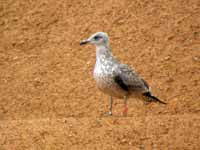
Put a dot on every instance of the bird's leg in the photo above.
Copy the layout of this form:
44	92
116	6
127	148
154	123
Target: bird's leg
125	106
110	106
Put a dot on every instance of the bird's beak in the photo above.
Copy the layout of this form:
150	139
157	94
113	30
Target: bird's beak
84	42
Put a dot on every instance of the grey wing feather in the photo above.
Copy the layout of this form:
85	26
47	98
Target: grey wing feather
131	78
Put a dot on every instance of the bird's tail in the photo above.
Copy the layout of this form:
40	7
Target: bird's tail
153	98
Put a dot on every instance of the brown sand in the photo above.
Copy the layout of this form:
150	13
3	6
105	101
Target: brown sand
48	98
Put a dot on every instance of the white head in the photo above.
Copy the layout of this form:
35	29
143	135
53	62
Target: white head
97	39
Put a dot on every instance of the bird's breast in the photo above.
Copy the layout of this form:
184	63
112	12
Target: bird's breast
104	78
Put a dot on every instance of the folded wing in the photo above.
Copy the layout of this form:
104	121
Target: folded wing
129	80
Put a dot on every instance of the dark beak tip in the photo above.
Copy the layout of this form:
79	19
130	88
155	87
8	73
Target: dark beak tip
83	42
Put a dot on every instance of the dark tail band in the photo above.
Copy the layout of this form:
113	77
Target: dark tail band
148	94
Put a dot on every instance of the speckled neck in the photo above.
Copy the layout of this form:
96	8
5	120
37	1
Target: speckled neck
102	50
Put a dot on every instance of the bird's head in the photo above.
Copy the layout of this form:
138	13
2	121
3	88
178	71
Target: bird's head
97	39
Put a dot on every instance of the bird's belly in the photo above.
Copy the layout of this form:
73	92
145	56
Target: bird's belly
106	84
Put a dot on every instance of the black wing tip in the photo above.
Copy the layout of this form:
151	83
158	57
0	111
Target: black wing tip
155	99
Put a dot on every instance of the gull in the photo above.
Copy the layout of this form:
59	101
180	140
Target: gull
114	78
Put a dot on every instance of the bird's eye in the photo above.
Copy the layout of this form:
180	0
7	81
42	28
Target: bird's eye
97	38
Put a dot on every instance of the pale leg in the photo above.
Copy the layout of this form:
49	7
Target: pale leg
110	106
125	106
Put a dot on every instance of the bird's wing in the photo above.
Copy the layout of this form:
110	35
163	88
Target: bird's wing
128	79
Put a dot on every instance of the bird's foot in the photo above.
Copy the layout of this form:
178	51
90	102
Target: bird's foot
107	114
110	113
125	111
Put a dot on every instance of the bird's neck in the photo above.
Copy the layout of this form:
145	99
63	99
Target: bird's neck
103	51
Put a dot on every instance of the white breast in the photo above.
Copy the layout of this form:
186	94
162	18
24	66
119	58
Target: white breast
105	82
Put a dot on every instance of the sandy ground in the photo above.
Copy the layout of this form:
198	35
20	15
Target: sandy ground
48	98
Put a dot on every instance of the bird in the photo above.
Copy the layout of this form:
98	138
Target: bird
116	79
